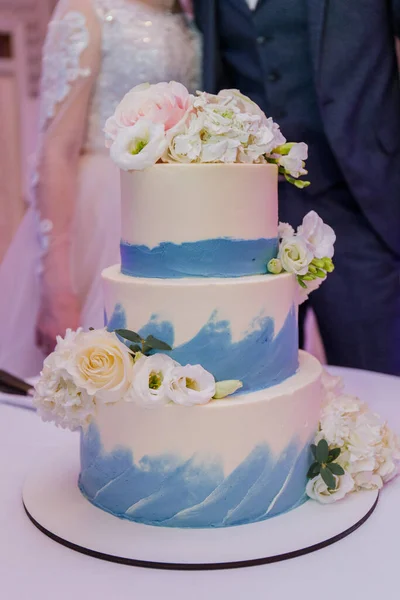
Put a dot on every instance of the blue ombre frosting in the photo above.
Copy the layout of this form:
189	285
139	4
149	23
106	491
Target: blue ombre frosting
260	359
170	491
223	257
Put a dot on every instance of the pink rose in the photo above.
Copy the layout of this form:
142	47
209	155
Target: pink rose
167	104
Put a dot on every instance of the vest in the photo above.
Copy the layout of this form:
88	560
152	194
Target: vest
267	56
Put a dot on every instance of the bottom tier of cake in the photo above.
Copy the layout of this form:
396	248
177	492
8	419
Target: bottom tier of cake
230	462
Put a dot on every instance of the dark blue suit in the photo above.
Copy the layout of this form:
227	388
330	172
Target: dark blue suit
345	103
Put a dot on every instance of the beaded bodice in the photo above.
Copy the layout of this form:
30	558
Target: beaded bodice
139	44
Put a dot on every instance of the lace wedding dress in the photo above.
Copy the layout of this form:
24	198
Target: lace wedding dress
95	51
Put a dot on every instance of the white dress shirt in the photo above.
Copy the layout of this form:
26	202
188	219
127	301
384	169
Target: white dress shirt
252	3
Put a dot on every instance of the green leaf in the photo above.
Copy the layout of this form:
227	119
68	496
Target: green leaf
335	468
301	282
135	348
131	336
146	348
328	478
156	344
314	450
226	388
322	451
314	470
284	148
301	184
333	454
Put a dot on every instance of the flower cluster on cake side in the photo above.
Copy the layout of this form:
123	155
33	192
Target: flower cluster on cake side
87	368
164	123
306	253
354	449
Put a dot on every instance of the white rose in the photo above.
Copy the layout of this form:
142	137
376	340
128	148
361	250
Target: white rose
285	230
319	236
293	162
102	365
367	481
318	490
191	385
58	399
295	255
139	147
151	377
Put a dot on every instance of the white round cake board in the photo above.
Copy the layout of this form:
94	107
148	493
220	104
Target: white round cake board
55	505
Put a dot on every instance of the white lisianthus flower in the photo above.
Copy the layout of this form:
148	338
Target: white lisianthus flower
140	146
191	385
295	255
318	234
150	380
285	230
58	399
318	490
166	104
293	162
101	365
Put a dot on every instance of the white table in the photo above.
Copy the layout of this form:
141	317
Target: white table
33	567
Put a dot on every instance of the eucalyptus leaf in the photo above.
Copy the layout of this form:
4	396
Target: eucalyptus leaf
333	454
135	348
335	468
146	348
156	344
322	453
314	450
314	470
131	336
328	478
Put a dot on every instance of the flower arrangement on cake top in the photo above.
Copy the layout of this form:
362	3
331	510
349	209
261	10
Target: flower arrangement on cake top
353	448
88	368
307	253
164	123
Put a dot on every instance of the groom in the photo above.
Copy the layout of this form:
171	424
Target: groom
326	71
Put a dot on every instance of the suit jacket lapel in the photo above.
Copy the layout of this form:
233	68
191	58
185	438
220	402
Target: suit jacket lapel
240	5
317	10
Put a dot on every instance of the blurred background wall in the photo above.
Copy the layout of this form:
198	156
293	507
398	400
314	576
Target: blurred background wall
22	29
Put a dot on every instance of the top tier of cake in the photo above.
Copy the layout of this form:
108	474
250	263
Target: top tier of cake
208	220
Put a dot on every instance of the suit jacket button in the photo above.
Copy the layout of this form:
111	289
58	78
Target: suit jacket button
273	76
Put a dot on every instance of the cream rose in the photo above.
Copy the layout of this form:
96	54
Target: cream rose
295	255
318	490
102	366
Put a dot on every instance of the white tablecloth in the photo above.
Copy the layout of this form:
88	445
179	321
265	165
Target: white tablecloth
33	567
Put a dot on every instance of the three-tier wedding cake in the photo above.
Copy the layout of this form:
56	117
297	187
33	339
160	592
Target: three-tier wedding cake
196	408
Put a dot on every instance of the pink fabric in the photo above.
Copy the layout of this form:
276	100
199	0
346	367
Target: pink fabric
187	8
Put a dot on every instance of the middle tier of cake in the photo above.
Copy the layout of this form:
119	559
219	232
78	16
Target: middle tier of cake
238	328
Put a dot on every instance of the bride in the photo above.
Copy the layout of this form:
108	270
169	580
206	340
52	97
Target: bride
95	51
